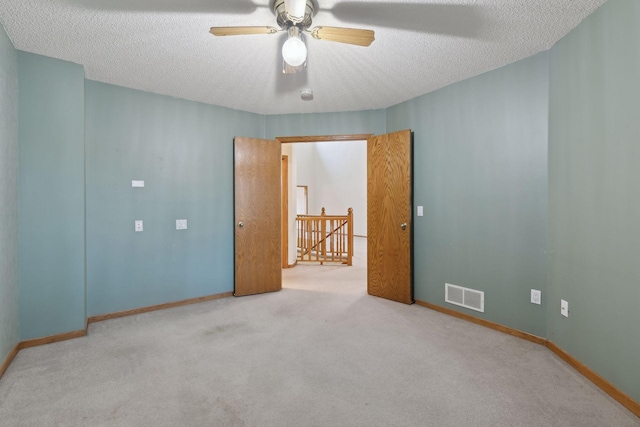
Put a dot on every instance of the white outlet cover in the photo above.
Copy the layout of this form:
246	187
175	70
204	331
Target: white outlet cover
137	184
181	224
138	225
536	296
420	211
564	308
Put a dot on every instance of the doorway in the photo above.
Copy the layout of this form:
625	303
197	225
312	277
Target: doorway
330	177
389	203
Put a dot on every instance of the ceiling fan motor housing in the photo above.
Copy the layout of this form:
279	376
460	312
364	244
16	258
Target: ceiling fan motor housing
285	21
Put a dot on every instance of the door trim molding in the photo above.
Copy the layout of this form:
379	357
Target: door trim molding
284	189
323	138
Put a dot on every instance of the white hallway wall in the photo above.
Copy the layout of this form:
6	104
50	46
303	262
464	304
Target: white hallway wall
290	150
336	174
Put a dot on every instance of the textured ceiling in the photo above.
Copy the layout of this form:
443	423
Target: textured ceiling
164	46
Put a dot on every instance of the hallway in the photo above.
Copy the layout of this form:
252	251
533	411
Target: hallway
331	277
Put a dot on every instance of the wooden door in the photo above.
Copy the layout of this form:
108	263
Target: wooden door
258	220
389	214
285	211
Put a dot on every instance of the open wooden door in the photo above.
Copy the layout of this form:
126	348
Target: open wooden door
389	214
258	222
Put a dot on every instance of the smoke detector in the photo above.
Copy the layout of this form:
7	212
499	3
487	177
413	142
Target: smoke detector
306	95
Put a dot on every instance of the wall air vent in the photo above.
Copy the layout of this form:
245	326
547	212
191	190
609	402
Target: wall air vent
464	297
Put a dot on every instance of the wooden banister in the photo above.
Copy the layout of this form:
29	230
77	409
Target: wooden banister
325	238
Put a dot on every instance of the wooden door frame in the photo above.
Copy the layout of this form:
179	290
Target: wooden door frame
323	138
305	139
285	210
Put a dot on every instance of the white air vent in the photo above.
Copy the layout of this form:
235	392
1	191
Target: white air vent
464	297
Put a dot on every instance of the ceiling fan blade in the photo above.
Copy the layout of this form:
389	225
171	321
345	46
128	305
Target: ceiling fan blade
239	31
344	35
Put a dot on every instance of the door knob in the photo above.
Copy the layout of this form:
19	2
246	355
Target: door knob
403	225
241	224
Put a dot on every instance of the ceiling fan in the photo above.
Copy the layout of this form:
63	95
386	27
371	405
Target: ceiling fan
294	17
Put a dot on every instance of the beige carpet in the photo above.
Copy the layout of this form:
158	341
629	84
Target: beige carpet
320	353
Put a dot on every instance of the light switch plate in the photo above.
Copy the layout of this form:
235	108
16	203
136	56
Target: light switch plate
181	224
564	308
420	211
536	296
137	184
138	225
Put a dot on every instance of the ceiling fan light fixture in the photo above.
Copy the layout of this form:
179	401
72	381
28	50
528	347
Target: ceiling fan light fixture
294	51
295	9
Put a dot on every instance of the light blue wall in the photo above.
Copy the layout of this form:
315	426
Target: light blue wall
353	122
480	165
9	332
594	203
51	196
183	151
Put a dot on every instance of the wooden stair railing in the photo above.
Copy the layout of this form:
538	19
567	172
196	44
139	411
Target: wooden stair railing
325	238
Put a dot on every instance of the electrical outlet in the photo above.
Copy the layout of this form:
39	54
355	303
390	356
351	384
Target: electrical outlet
138	225
536	296
564	308
181	224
